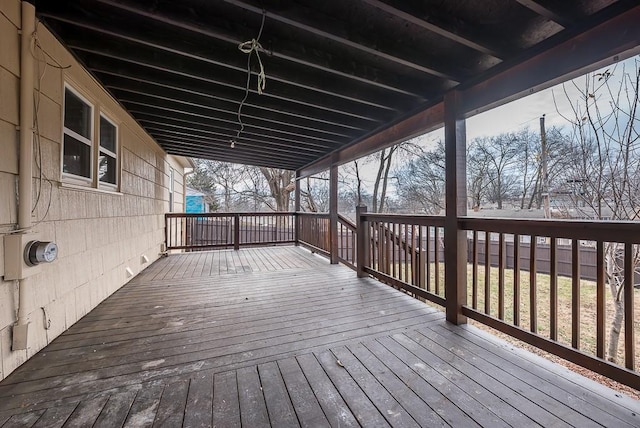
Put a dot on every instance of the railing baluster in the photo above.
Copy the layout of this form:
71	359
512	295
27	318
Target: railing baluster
600	300
516	280
553	289
533	285
428	265
501	266
629	330
436	263
575	293
420	258
474	271
487	273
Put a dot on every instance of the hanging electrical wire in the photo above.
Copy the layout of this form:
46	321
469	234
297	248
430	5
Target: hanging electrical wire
250	47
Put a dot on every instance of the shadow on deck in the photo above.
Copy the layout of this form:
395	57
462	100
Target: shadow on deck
277	336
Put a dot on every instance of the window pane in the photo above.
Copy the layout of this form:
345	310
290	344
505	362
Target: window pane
77	114
107	168
76	157
107	135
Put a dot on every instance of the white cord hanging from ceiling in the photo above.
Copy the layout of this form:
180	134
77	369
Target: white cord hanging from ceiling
249	47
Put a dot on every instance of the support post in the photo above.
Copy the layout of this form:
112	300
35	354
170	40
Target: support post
362	241
333	213
297	210
455	247
236	231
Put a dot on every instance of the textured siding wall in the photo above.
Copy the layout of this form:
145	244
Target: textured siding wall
99	233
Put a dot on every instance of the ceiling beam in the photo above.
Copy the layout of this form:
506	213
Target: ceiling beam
545	12
311	83
103	47
588	50
411	16
173	66
228	157
312	27
169	142
249	127
115	78
247	117
223	146
412	126
154	126
228	136
230	131
285	51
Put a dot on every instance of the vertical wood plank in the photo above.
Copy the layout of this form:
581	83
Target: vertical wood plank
533	285
436	262
516	280
629	329
226	405
553	290
428	265
575	293
487	273
198	412
474	271
601	315
253	409
501	266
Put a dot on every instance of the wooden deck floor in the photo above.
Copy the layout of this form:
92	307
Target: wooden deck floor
278	337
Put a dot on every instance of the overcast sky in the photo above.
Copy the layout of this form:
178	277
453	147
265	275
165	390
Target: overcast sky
525	112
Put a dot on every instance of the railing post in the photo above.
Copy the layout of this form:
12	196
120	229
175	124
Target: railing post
333	213
296	217
236	231
362	240
455	248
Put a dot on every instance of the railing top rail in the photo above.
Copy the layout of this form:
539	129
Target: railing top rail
609	231
417	219
310	214
231	214
347	222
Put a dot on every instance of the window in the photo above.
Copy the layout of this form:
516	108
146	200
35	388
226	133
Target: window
107	156
76	147
88	157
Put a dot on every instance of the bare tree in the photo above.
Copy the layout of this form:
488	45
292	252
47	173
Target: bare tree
281	183
605	174
499	156
421	181
315	193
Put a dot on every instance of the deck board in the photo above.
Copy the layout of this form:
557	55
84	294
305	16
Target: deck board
278	336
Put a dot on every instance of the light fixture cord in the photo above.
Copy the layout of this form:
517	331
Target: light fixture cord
250	47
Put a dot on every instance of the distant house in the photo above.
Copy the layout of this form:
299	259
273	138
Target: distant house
195	202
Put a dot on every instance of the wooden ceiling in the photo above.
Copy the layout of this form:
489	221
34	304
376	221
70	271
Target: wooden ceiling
337	71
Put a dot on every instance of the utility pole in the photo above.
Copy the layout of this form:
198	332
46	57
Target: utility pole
545	174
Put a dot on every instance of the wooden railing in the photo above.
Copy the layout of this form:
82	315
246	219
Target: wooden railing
567	316
347	241
405	251
313	231
513	280
225	230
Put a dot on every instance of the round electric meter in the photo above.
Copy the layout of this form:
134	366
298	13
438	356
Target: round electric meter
38	252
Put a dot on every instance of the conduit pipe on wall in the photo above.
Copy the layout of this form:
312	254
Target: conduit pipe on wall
25	172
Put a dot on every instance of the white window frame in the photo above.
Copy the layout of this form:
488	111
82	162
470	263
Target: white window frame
90	142
95	149
101	149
